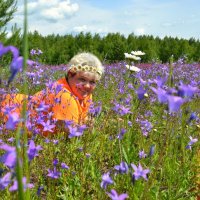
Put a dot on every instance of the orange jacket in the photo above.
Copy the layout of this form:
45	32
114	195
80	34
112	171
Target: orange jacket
58	99
62	103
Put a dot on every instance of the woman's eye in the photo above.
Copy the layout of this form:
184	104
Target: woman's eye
92	82
82	80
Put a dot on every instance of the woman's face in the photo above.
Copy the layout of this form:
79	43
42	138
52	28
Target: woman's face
82	84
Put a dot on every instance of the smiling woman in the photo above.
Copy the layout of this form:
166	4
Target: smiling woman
68	99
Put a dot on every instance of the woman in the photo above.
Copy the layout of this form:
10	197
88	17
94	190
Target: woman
67	99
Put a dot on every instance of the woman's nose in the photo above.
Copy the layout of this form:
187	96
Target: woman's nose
87	85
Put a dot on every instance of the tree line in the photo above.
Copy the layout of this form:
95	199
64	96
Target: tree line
110	48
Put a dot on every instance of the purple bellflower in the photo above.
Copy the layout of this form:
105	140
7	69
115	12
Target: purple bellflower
40	188
160	81
191	142
5	181
42	107
11	139
74	132
186	90
140	93
68	123
55	141
193	116
122	168
47	126
139	172
95	110
54	174
106	180
55	162
161	94
142	154
13	120
82	128
64	166
152	150
33	150
174	103
121	110
114	196
9	158
121	134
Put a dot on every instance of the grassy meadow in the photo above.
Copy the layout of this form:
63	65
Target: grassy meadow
143	143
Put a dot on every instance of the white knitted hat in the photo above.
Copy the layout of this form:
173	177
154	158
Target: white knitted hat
85	62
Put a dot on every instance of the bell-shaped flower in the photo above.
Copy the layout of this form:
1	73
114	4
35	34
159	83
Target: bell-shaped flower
5	180
114	195
106	180
10	157
174	103
187	90
139	172
161	94
33	150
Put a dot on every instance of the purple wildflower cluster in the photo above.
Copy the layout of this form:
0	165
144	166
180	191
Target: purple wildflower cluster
36	52
123	168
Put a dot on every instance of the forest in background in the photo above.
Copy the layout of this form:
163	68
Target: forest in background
110	48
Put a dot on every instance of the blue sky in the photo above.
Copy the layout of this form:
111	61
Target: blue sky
176	18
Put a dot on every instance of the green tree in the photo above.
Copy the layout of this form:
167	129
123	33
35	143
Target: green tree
7	9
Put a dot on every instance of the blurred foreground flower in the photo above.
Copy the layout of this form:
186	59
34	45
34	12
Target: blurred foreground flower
26	185
161	94
174	103
13	120
5	180
10	157
17	61
187	90
114	196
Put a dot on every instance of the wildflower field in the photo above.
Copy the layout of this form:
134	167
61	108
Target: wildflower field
143	143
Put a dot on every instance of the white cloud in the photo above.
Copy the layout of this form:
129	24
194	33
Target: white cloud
50	9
